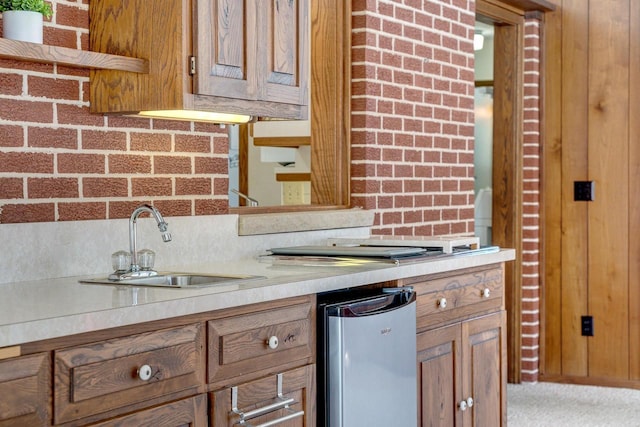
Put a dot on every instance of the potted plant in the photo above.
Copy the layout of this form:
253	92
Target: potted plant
22	19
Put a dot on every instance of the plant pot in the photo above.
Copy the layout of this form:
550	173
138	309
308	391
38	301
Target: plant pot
22	25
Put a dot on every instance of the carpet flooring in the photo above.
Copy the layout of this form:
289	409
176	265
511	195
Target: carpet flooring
568	405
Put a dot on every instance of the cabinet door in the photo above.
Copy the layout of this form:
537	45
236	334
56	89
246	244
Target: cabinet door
439	376
253	49
225	48
298	384
484	363
25	391
285	51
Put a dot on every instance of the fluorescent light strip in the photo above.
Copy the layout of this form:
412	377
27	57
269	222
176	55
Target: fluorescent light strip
197	116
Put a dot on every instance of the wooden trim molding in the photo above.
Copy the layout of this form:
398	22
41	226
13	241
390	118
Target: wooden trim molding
330	101
508	161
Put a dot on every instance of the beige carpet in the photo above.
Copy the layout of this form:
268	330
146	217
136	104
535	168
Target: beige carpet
566	405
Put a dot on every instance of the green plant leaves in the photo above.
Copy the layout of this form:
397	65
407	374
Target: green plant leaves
28	5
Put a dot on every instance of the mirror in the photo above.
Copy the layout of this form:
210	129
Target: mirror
277	171
298	165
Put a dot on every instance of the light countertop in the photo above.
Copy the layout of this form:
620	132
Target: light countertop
43	309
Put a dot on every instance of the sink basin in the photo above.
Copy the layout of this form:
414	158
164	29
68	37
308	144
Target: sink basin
176	280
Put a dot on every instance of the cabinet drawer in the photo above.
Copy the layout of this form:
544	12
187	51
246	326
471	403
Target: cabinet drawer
265	398
124	372
188	412
445	299
239	345
25	391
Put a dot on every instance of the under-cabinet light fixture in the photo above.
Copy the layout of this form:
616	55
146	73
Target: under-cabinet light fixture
197	116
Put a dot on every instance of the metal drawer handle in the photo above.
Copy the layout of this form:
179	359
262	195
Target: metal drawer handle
265	409
282	403
486	293
144	372
279	420
273	342
442	303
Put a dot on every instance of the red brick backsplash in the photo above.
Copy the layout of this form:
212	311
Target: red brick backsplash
129	163
11	188
104	187
26	163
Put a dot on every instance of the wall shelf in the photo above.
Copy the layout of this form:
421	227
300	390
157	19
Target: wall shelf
293	176
35	52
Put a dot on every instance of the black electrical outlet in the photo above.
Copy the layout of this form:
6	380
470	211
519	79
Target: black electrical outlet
584	191
587	326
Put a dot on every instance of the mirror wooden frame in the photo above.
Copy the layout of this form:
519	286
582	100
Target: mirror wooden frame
330	112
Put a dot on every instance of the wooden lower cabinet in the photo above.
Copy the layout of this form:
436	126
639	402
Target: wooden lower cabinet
461	374
25	391
228	405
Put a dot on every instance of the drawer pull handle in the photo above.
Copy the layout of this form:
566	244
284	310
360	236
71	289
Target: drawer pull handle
281	403
463	405
470	402
486	293
144	372
442	303
272	342
281	419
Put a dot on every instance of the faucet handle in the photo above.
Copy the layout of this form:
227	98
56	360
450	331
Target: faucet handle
146	259
120	260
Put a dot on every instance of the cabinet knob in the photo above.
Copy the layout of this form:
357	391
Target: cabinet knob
462	405
273	342
486	293
469	401
144	372
442	303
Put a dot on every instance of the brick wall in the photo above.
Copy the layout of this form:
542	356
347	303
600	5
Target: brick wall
412	115
412	130
60	163
531	203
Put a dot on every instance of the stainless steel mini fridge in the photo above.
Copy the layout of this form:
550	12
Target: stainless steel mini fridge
368	363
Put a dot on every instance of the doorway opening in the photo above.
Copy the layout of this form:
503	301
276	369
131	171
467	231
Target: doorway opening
506	188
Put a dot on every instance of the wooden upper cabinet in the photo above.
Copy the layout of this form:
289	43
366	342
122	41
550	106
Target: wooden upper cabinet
253	50
245	57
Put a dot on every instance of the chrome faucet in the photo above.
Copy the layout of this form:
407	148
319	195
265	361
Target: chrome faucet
251	200
162	226
134	269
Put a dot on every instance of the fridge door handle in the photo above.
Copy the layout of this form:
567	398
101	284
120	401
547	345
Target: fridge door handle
392	299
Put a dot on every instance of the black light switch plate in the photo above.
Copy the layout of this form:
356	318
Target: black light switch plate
587	326
584	191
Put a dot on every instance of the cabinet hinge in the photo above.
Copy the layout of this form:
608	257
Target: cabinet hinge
192	65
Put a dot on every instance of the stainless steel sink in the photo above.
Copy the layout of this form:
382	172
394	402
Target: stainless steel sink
176	280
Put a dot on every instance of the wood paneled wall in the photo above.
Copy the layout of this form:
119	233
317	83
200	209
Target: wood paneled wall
592	253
